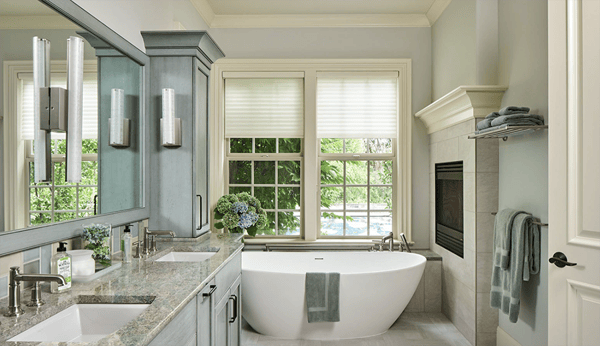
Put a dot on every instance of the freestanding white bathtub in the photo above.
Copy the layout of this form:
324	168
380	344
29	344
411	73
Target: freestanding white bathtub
375	287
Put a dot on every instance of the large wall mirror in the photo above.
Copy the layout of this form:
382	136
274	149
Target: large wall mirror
112	182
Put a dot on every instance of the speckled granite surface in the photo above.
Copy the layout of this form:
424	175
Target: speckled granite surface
169	285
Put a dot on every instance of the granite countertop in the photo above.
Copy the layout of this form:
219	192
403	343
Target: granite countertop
168	285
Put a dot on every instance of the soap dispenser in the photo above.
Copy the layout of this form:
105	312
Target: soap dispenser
126	244
61	263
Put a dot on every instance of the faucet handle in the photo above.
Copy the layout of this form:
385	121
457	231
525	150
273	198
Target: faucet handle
36	296
138	245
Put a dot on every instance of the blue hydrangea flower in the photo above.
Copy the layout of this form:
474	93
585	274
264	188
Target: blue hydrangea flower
245	221
239	207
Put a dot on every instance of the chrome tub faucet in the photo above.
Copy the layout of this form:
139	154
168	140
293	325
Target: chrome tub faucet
14	289
390	238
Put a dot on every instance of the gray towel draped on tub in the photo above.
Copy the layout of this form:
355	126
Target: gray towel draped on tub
516	256
323	297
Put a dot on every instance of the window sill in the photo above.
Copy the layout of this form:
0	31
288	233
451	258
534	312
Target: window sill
319	242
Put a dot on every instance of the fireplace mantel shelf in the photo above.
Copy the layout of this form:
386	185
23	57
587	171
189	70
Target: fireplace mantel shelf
461	104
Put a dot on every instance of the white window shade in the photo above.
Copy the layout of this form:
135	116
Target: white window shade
90	104
357	105
264	107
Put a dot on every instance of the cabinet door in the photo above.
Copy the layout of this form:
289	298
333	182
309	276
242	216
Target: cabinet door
221	327
201	149
235	310
181	330
205	301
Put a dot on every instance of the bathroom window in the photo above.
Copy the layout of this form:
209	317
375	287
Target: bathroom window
269	169
264	129
356	193
322	143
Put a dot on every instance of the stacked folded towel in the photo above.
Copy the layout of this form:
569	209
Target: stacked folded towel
511	115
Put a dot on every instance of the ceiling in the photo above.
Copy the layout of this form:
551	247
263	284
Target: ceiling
31	14
24	8
319	13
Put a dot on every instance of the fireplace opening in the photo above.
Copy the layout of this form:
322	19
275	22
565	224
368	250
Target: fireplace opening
449	206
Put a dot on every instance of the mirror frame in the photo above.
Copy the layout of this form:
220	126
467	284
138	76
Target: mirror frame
31	237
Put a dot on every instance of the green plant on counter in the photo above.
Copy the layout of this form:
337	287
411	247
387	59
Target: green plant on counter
240	212
97	239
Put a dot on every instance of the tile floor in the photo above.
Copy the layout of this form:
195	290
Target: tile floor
416	328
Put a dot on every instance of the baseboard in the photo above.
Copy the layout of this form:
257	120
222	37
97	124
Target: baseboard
504	339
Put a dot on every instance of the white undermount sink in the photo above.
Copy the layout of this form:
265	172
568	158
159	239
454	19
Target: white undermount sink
186	257
82	323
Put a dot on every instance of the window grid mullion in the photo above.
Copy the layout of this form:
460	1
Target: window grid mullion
276	198
345	196
368	196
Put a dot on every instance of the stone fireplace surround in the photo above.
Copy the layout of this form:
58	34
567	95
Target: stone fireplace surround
466	281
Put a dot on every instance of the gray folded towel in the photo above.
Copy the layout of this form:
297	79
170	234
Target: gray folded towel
323	297
484	124
524	260
513	110
518	119
502	236
492	115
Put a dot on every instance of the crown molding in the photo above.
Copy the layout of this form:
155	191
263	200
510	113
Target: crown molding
205	10
319	20
52	22
461	104
436	10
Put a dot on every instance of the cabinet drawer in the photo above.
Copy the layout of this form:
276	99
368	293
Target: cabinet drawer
226	276
180	330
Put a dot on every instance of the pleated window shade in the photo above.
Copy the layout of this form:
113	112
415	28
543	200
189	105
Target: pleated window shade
90	104
264	107
357	104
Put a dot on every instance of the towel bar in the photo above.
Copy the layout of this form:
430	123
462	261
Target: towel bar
534	222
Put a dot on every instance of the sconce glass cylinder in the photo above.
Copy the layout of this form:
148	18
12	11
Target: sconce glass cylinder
75	108
117	124
170	126
41	79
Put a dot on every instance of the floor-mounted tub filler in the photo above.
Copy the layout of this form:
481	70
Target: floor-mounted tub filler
375	287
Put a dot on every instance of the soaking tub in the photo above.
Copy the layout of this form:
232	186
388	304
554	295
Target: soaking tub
375	287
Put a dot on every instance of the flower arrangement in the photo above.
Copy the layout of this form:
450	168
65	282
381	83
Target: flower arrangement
97	238
240	212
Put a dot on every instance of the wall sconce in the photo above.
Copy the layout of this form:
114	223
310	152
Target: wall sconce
118	126
57	109
170	127
41	79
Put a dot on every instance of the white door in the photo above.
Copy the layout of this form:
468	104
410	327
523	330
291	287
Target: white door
574	171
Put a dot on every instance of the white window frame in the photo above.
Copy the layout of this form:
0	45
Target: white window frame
402	179
16	167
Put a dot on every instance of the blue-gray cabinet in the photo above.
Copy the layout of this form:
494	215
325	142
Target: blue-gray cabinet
213	317
179	176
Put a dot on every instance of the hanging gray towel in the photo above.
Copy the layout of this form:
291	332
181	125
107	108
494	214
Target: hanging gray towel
323	297
524	260
513	110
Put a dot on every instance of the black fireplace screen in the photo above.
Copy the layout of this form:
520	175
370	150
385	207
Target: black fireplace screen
449	206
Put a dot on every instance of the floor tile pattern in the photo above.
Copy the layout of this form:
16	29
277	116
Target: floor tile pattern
411	329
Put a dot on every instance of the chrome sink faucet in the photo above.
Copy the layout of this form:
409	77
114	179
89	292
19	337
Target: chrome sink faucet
14	289
149	239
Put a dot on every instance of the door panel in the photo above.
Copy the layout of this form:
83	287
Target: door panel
205	317
236	310
574	163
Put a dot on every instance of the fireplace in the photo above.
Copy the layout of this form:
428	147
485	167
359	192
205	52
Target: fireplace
449	206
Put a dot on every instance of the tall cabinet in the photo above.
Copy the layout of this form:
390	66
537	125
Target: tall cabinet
179	176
